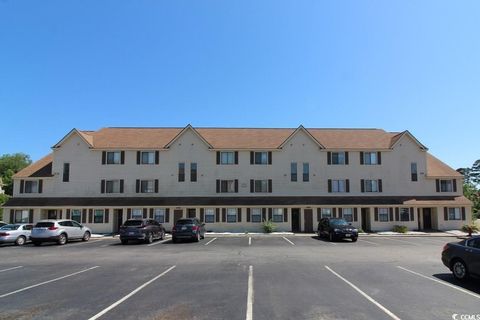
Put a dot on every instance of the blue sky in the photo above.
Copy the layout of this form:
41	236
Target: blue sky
394	65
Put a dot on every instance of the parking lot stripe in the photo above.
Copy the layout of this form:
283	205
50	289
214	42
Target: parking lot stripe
210	241
78	244
158	242
101	313
249	241
403	241
13	268
441	282
46	282
388	312
249	315
369	242
288	241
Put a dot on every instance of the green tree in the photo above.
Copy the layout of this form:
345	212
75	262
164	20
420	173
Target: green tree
3	199
9	165
471	192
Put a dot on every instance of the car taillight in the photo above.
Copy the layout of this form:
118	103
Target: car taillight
4	234
52	228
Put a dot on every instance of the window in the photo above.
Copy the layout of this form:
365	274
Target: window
293	171
66	172
98	216
474	243
227	186
147	186
210	215
338	157
370	158
383	214
77	215
446	186
76	224
347	214
227	157
231	215
261	185
31	186
306	172
181	172
277	215
371	186
112	186
193	172
159	215
326	212
413	170
137	213
114	157
260	157
256	214
147	157
404	214
21	216
454	214
338	185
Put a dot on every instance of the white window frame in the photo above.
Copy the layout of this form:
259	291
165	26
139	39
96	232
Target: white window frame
150	186
277	215
31	186
117	157
371	185
262	184
209	215
326	213
232	212
383	214
227	157
446	185
338	186
114	184
137	213
150	157
24	216
256	212
347	212
370	158
340	157
95	211
263	157
404	214
454	214
159	215
230	186
76	212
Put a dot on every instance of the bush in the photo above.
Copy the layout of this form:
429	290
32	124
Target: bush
400	229
470	228
268	226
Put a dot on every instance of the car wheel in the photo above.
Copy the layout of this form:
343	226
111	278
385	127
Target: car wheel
174	240
459	269
354	239
36	243
331	237
124	241
202	237
20	241
62	239
86	236
149	238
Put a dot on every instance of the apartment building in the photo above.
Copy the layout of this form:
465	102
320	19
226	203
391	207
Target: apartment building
235	178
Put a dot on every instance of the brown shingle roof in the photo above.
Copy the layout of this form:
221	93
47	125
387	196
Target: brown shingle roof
436	168
40	168
243	138
133	138
353	138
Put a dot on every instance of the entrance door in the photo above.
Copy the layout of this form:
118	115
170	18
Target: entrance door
366	219
191	213
427	218
308	214
177	215
117	220
52	214
295	220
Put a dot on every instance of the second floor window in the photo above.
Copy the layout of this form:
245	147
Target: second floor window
261	158
227	157
114	157
261	185
31	186
147	157
446	186
227	186
147	186
371	185
112	186
338	185
181	171
337	157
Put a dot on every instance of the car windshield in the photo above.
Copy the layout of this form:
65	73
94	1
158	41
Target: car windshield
338	222
133	223
10	227
185	221
44	224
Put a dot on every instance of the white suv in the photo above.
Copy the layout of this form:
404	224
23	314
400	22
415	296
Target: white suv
59	231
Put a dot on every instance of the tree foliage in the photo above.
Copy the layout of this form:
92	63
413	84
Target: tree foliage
3	199
9	165
471	186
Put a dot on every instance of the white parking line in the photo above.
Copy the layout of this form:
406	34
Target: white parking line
288	241
388	312
158	242
101	313
11	269
249	315
210	241
46	282
69	245
403	241
442	282
249	241
369	242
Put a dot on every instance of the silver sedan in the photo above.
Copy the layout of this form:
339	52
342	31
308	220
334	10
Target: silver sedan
18	233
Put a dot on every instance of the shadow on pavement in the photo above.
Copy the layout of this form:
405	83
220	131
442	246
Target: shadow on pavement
472	284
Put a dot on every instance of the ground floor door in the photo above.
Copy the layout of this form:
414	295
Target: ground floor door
177	215
117	220
366	219
308	216
427	218
295	220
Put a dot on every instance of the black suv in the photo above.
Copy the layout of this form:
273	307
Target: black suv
190	228
336	229
141	229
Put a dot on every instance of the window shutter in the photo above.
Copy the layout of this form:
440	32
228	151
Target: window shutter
412	214
236	185
151	213
122	184
464	215
391	214
104	157
12	216
334	212
285	214
137	186
355	214
248	215
202	214
167	215
270	185
157	157
84	216
252	186
437	185
40	186
361	157
340	213
376	214
270	213
236	157
145	213
319	214
218	157
122	157
269	157
445	213
102	186
329	157
68	214
362	185
239	215
380	185
347	185
218	186
454	182
379	157
224	215
346	157
251	157
129	213
264	214
30	216
90	215
397	214
22	186
156	185
329	185
217	215
107	215
138	157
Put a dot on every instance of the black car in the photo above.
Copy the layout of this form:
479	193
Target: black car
463	258
336	229
190	228
141	230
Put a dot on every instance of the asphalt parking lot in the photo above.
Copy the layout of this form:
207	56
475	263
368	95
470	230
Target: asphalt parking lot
257	277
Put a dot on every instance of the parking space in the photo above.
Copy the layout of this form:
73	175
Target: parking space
249	277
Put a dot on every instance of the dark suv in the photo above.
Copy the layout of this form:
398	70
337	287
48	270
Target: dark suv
141	229
190	228
336	229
